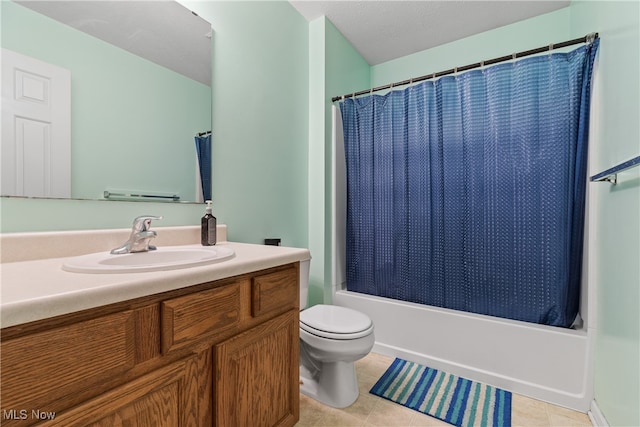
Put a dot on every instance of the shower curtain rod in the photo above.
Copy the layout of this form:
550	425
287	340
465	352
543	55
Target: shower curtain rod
589	38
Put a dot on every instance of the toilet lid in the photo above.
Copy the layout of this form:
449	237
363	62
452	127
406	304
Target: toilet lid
332	321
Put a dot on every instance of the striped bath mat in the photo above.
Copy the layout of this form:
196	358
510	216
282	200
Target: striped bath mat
452	399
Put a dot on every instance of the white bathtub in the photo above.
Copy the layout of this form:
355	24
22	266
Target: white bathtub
548	363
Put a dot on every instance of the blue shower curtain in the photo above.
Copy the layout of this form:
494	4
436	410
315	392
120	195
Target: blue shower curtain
467	192
203	151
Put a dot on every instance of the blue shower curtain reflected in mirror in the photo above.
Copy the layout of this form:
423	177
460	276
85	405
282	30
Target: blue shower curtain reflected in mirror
203	150
468	192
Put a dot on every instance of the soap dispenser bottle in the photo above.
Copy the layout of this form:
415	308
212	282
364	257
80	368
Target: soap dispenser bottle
208	231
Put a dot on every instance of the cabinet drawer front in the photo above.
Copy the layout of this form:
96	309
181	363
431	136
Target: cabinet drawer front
196	316
275	292
49	365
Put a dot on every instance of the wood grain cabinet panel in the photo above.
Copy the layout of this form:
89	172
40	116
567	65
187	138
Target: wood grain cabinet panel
274	292
192	317
158	399
257	375
42	367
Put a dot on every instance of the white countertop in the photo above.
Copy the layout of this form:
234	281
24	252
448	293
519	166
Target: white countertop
39	289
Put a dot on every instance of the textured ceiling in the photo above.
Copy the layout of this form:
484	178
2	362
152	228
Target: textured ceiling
385	30
164	32
167	33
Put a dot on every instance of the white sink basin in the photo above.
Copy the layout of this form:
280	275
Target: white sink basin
163	258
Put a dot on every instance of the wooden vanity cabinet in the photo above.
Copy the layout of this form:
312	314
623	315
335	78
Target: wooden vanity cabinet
223	353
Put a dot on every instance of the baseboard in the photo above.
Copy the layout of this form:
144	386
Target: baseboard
596	416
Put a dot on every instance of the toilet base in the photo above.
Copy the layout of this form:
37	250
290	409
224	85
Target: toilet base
335	385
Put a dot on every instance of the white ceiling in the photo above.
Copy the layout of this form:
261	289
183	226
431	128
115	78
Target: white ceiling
384	30
164	32
167	33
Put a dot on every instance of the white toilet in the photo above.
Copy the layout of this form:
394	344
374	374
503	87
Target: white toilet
332	338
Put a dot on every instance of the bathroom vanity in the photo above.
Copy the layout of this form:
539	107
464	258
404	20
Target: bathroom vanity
166	348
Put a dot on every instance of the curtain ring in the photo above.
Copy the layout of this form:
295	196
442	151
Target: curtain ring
455	70
433	76
482	63
371	91
513	56
343	98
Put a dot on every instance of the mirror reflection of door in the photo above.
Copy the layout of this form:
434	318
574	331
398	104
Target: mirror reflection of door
141	89
36	128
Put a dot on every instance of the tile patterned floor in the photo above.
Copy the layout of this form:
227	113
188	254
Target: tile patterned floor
370	410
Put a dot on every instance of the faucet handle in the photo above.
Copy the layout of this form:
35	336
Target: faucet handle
143	222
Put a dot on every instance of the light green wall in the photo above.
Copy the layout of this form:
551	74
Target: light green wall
121	104
260	119
34	215
317	160
616	209
335	67
528	34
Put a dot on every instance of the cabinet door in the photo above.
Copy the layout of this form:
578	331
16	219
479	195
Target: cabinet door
257	375
167	397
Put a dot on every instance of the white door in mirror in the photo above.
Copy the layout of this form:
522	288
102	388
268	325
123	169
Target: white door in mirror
36	127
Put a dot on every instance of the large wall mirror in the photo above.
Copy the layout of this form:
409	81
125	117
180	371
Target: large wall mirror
140	90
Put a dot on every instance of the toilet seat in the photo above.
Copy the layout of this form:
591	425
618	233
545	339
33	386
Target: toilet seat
334	322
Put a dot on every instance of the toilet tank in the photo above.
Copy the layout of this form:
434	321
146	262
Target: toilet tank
304	282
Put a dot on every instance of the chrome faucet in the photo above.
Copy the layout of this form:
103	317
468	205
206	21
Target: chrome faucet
140	236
